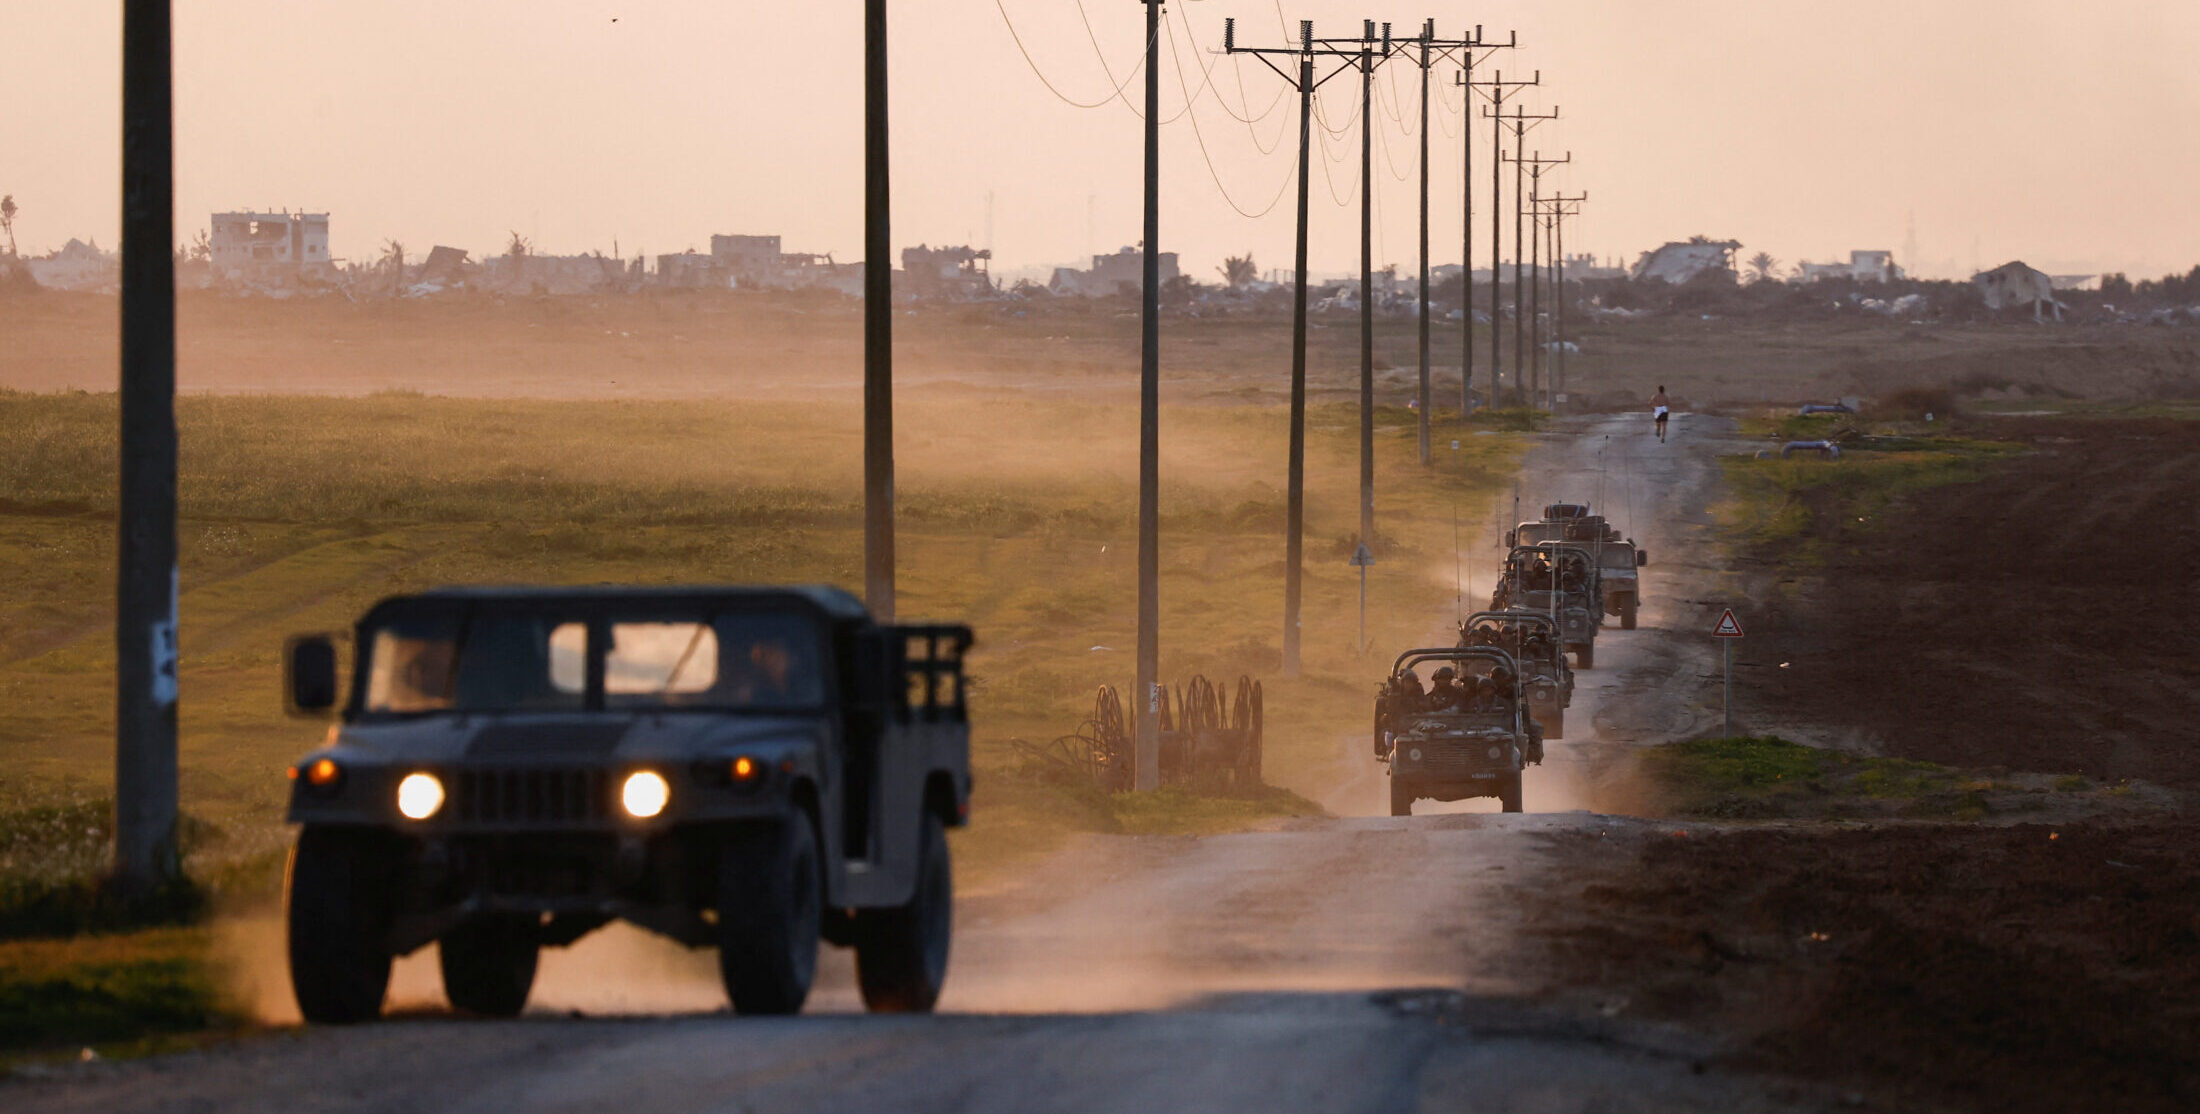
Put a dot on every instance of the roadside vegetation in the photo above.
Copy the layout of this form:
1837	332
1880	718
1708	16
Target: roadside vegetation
1015	514
1764	777
1790	510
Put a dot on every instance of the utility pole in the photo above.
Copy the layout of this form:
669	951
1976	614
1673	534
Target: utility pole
1465	80
1521	122
1497	90
1561	207
147	581
1368	62
1528	202
1304	81
1432	50
878	328
1146	766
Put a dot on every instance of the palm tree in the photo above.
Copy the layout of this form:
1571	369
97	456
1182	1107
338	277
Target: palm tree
1238	270
1763	267
7	221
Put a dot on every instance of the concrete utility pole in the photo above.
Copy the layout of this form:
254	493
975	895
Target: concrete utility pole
1304	81
878	328
1368	62
1521	122
1465	80
146	581
1433	50
1146	766
1497	90
1529	200
1561	206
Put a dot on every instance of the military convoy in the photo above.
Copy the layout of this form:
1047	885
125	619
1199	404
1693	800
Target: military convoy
1507	684
1561	581
1616	557
1467	734
751	769
1532	638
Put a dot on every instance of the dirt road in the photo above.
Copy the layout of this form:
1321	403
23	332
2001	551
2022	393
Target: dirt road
1358	963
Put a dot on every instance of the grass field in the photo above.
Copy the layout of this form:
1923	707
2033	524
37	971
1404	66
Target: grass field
1015	514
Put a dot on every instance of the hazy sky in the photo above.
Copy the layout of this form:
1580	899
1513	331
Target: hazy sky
2057	133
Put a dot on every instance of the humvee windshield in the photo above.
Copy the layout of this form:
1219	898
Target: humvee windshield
461	658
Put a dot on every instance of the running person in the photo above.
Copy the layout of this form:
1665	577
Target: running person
1660	409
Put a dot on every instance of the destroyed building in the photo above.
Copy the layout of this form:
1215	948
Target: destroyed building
1679	262
946	272
272	247
77	266
748	260
1121	273
1863	266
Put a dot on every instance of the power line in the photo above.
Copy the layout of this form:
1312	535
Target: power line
1114	94
1209	158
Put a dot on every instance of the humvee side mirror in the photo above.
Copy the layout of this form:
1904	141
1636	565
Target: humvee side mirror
1512	538
309	675
1642	558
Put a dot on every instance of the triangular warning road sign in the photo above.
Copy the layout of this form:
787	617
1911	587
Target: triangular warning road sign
1729	626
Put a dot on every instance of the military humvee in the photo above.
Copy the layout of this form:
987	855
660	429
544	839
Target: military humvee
744	768
1446	749
1532	638
1561	581
1617	558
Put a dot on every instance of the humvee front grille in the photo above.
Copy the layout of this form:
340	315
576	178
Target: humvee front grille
531	796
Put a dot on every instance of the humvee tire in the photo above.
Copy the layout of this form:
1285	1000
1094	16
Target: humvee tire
1401	797
489	964
768	915
901	954
1508	793
337	894
1627	612
1585	655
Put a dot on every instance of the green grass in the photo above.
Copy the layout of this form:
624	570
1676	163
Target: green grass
110	990
1766	776
1793	509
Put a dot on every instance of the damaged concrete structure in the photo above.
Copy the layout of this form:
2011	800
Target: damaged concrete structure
2013	284
1120	273
271	248
946	272
1863	266
1681	261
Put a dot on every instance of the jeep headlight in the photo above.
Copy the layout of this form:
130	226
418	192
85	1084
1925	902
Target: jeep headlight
1414	754
645	794
419	796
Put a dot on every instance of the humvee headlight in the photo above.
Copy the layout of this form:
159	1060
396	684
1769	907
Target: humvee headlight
745	768
645	794
419	796
324	772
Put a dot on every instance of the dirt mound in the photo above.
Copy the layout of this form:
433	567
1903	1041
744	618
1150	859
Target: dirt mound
2021	968
2043	618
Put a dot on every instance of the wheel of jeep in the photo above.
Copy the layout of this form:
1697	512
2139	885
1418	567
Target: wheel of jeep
1508	793
1401	797
338	895
1627	613
901	954
768	915
489	964
1585	656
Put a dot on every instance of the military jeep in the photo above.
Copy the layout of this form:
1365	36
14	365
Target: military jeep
750	769
1472	742
1616	557
1532	638
1561	581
